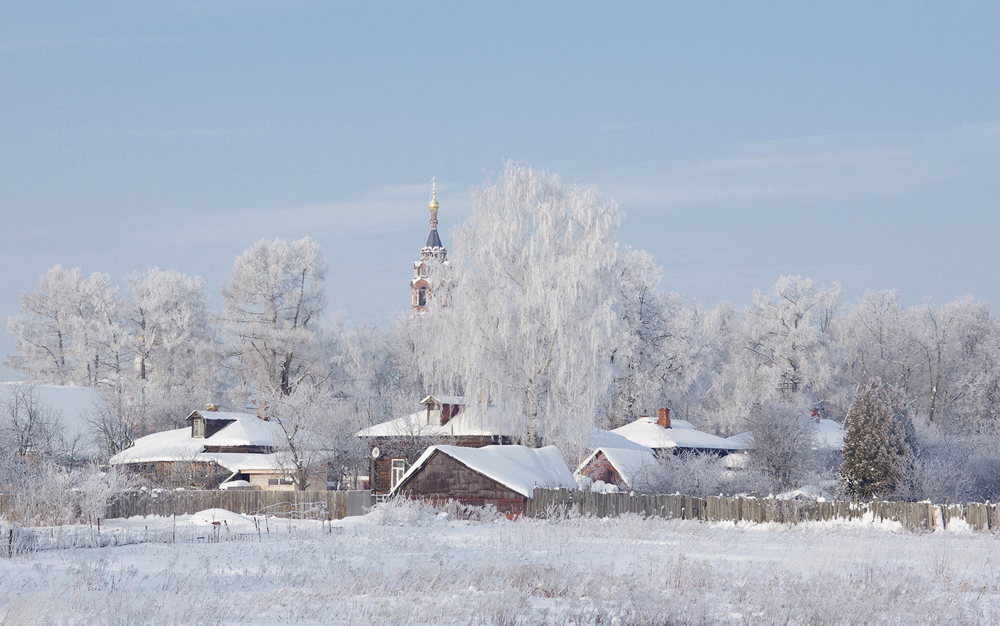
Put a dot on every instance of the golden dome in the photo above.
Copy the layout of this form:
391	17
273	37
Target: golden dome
434	203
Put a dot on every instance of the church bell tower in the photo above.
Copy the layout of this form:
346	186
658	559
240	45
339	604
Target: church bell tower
433	257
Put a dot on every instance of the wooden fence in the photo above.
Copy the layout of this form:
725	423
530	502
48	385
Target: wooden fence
912	515
306	504
325	505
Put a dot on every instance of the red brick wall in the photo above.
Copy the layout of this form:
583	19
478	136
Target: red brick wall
601	469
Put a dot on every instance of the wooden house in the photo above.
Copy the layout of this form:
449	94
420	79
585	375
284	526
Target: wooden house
666	436
217	448
502	476
444	420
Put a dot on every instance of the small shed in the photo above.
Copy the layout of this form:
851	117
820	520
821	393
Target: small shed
626	468
502	476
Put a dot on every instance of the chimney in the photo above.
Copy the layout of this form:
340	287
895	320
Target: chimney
664	418
212	407
445	413
815	415
262	411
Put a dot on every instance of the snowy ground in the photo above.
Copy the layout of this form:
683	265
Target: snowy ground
406	565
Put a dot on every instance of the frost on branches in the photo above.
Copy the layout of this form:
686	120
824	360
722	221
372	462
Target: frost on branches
532	319
273	305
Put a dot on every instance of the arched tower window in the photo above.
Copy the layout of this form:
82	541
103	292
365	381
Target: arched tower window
422	296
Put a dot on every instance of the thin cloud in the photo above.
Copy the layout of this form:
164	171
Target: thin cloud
818	168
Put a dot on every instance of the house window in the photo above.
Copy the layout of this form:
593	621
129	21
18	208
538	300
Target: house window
396	472
198	428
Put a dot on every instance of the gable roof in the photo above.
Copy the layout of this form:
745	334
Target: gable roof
518	468
647	432
179	445
600	438
470	421
434	399
635	466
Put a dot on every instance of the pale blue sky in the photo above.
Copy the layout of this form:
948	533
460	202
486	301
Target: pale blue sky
841	141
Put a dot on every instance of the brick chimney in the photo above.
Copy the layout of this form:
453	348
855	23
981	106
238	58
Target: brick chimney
815	415
664	418
212	407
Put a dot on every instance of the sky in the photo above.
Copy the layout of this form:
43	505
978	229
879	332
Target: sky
849	142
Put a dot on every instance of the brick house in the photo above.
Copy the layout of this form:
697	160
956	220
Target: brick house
627	469
502	476
445	420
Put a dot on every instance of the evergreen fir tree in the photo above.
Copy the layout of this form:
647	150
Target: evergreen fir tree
879	445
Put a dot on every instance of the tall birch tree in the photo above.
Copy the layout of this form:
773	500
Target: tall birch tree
532	317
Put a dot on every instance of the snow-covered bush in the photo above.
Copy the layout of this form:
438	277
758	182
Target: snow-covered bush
56	495
400	511
705	475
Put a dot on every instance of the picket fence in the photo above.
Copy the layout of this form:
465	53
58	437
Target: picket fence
912	515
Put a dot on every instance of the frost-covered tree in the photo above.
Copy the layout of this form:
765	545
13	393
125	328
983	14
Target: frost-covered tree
173	342
657	350
782	442
956	346
310	433
45	331
272	314
875	336
171	330
26	425
532	319
880	446
782	351
70	331
102	336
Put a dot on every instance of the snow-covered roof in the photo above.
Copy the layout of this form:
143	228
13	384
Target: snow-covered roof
635	466
744	440
435	399
470	421
235	484
179	445
600	438
217	415
518	468
645	431
829	435
248	430
72	406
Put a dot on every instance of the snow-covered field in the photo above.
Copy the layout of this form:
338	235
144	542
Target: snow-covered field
408	565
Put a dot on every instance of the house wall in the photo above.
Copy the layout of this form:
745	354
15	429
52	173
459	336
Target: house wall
410	449
443	478
263	480
600	468
196	474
